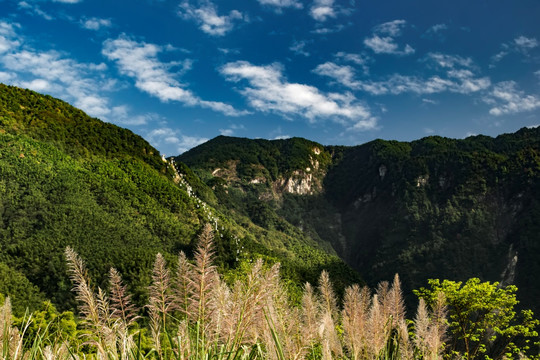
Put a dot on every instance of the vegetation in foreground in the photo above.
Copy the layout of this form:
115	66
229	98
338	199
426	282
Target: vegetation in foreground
193	314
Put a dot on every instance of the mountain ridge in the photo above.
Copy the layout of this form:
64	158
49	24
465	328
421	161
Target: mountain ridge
434	207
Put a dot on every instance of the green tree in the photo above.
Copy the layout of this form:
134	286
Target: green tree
483	322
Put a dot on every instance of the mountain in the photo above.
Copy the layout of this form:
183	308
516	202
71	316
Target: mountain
69	179
432	208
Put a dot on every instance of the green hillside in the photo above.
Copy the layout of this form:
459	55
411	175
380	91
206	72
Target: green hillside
432	208
68	179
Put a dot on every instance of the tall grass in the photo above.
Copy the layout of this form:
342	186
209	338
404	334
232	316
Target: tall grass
193	314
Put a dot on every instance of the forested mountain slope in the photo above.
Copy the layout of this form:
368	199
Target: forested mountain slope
68	179
432	208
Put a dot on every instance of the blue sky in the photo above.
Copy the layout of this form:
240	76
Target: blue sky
339	72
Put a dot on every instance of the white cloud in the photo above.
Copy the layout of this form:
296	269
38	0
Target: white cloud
450	61
397	84
436	32
226	132
391	28
385	45
298	47
321	10
462	81
52	72
430	101
68	1
95	23
437	28
35	9
8	38
523	42
269	91
383	41
328	30
5	77
357	59
162	137
207	17
467	82
458	78
140	61
122	115
343	74
280	4
282	137
354	58
233	128
226	51
507	99
39	85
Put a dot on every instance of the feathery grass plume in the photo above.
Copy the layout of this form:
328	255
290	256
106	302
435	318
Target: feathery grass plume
406	347
310	314
183	341
422	330
355	319
108	343
203	282
377	333
94	308
8	336
58	352
5	318
160	300
221	310
267	326
182	282
438	326
84	294
396	307
155	323
282	335
286	320
328	296
331	345
246	308
430	328
122	308
395	302
383	288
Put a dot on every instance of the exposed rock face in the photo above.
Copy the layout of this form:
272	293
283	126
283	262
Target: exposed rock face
299	183
228	172
509	274
382	171
303	182
257	180
422	180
